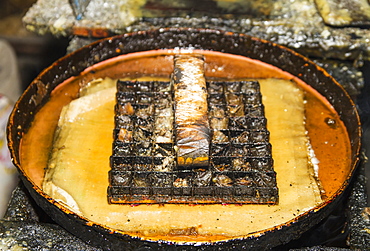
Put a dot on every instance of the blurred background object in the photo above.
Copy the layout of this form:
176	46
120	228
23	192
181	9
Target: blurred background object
33	52
23	56
10	82
10	89
8	173
79	7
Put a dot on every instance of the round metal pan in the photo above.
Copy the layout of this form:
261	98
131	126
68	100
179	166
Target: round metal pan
288	63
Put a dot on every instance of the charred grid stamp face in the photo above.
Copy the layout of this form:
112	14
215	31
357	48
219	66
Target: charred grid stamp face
191	141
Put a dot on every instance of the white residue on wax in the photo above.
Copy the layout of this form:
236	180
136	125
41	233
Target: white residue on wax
313	159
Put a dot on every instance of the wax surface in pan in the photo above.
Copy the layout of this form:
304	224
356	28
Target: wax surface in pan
78	173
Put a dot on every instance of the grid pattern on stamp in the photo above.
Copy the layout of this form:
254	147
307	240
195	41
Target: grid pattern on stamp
143	161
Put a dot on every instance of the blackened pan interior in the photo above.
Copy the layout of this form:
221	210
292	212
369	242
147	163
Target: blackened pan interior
72	65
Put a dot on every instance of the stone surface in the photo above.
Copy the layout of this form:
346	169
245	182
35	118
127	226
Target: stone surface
347	73
26	227
359	237
296	24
